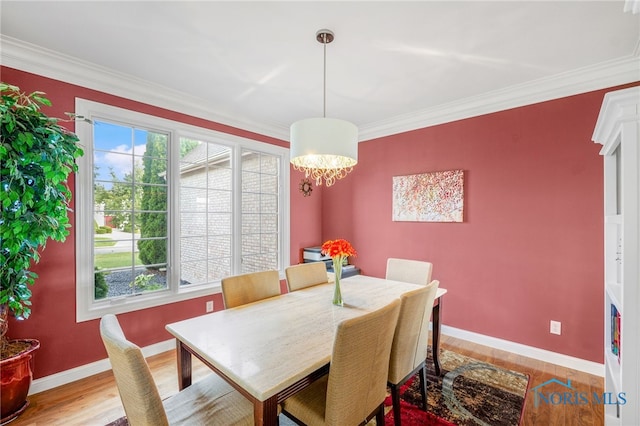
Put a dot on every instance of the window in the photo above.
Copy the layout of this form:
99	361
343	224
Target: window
164	210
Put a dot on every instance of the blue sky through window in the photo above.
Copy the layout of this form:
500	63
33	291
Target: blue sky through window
114	145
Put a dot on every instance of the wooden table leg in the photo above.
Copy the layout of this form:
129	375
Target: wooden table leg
435	348
184	366
266	412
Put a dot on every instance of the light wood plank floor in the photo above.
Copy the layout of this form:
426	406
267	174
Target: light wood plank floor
95	401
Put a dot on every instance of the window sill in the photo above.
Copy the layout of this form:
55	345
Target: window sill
135	303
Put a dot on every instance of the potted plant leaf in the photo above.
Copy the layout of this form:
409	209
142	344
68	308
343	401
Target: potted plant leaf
36	156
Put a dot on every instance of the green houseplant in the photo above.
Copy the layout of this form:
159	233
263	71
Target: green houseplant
37	155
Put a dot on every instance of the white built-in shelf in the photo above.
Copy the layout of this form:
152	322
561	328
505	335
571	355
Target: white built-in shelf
618	130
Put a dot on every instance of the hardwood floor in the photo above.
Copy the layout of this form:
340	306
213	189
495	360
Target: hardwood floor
95	401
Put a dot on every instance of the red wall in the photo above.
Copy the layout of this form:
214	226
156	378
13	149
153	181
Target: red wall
66	344
530	248
306	217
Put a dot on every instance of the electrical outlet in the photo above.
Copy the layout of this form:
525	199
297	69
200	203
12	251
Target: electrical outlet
555	327
210	306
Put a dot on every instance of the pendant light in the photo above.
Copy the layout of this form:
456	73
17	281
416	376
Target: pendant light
324	148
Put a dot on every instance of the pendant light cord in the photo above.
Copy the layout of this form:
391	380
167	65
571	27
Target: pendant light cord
324	81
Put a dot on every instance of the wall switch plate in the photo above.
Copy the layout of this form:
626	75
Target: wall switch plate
210	306
555	327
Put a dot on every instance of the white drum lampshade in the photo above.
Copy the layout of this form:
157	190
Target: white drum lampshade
324	148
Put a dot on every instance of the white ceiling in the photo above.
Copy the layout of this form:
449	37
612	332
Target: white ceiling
393	65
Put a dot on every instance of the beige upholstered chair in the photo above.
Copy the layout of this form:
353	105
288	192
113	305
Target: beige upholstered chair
409	271
306	275
355	388
246	288
410	341
208	401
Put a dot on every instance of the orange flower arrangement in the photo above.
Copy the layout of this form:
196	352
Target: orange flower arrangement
338	250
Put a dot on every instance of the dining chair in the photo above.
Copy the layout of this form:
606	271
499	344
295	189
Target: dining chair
409	271
208	401
409	349
354	390
306	275
246	288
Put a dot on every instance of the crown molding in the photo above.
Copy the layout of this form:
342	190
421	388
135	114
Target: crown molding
38	60
35	59
600	76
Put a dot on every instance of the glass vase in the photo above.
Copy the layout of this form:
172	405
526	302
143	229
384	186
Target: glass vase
337	295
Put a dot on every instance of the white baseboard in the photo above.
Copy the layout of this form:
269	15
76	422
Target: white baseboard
87	370
84	371
528	351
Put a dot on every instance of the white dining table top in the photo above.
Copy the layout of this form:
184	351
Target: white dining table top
269	345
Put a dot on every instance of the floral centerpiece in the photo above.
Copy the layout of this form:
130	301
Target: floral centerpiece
339	251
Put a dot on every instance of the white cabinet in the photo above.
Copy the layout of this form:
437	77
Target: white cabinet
618	130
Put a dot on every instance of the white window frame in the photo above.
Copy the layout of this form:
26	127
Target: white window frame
86	307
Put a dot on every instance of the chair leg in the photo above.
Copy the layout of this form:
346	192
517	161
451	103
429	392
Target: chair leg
380	415
395	401
422	374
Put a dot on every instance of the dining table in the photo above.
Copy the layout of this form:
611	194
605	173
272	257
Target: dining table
270	349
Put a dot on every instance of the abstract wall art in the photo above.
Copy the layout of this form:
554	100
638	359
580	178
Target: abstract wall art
429	197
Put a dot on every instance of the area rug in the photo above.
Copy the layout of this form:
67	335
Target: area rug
469	393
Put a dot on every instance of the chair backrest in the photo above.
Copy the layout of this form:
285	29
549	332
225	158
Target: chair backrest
306	275
411	338
246	288
357	381
138	391
409	271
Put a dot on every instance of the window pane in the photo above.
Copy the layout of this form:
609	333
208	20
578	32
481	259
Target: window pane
153	224
219	224
194	248
250	245
130	211
219	201
191	223
250	202
250	161
153	252
268	204
153	145
219	268
152	198
250	224
269	184
219	246
114	260
269	164
250	182
113	166
206	206
220	177
193	272
269	243
260	206
193	200
269	223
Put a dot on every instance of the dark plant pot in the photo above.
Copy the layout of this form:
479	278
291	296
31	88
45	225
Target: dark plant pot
16	375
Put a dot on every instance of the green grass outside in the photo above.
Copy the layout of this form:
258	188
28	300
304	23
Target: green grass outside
103	242
115	260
